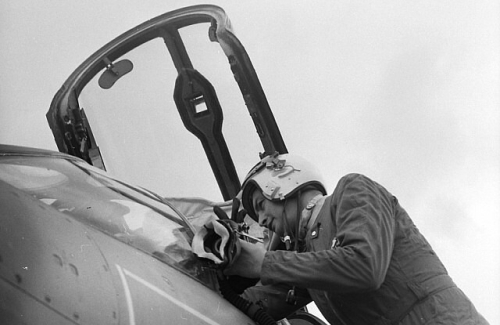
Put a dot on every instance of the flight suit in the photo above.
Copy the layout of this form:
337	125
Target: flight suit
364	262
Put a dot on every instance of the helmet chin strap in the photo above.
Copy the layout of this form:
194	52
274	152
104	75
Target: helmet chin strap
288	230
286	237
291	297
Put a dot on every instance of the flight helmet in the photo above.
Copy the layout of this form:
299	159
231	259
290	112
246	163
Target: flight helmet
279	176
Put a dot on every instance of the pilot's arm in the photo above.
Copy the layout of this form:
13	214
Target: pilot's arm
273	298
249	262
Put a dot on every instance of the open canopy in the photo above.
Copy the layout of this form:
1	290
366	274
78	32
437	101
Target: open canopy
143	92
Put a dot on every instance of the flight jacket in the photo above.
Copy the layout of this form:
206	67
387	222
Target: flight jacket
365	262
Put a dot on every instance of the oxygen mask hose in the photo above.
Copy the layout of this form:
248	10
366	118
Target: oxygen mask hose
254	311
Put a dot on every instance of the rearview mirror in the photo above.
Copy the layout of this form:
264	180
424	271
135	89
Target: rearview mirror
113	72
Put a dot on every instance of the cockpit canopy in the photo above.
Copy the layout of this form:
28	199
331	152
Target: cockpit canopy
158	107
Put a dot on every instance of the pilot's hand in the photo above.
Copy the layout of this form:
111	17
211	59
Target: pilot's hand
249	262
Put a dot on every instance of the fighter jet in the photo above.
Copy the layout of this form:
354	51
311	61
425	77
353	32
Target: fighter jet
79	244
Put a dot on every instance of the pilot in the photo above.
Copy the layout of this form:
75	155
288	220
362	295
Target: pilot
356	253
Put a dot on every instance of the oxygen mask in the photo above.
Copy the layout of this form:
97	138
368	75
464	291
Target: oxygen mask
218	239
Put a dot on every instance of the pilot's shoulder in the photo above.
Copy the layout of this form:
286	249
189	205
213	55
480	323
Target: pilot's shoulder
355	181
354	177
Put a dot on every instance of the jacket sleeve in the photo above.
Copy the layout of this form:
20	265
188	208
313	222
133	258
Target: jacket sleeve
362	214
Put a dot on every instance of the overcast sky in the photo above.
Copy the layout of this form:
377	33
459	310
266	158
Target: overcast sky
407	93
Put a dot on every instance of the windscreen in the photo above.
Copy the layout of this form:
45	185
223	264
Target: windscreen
121	211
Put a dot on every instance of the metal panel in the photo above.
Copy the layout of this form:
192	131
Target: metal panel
153	292
53	260
18	307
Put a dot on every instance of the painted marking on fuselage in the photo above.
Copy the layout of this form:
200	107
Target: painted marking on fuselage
159	291
128	296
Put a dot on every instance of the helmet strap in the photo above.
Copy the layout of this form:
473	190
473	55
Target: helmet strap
287	228
286	236
291	298
297	222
